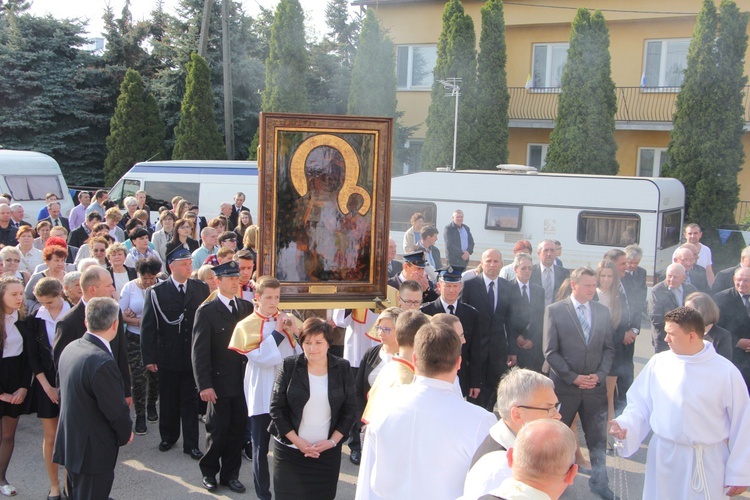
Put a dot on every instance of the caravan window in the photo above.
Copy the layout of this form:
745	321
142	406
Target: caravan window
33	187
670	228
160	193
401	212
608	229
503	217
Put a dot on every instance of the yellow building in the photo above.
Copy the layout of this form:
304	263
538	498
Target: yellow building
648	44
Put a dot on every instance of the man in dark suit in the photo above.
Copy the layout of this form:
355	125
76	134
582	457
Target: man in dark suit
95	282
394	267
665	296
237	207
459	243
54	216
579	350
725	279
78	236
94	417
166	335
491	297
414	269
17	214
219	375
470	373
694	274
734	307
634	281
527	314
547	274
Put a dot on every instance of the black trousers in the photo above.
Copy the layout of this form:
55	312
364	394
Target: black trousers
493	368
591	405
261	441
178	402
90	486
225	429
354	441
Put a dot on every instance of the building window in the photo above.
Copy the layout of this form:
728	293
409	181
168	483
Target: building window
536	155
414	66
547	66
608	229
671	223
413	161
650	161
401	212
665	63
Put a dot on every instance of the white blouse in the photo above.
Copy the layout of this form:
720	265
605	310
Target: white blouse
132	297
13	345
49	322
316	415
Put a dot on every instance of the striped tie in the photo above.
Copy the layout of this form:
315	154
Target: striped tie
585	326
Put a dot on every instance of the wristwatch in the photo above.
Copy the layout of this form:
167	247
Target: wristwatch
636	330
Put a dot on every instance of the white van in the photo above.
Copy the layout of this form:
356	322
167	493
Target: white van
588	214
202	182
28	177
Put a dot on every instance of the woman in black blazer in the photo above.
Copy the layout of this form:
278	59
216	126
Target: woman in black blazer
183	229
49	293
313	406
718	336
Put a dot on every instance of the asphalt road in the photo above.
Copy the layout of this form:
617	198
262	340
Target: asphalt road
145	472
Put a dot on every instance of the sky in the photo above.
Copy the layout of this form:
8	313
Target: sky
94	9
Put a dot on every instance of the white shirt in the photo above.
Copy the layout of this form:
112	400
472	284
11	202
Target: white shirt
13	345
487	282
445	305
104	341
586	309
705	258
528	288
356	343
404	441
49	323
132	297
384	359
316	415
30	259
491	469
226	300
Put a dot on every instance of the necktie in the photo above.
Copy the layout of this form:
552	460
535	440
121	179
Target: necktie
585	326
57	222
450	309
491	295
524	294
746	299
181	291
233	308
549	286
687	280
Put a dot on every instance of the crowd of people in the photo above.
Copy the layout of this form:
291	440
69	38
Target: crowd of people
105	311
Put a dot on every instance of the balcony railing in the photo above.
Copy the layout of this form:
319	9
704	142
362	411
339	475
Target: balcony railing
634	104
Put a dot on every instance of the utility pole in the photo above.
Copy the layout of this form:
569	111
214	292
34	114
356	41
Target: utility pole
452	84
203	41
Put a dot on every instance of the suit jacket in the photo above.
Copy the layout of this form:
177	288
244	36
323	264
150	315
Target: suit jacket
214	365
527	316
427	296
724	279
26	373
170	346
566	350
560	275
369	362
734	318
453	245
72	327
470	374
291	391
697	276
722	341
495	331
637	290
435	254
131	273
78	236
63	222
394	268
660	302
234	218
94	418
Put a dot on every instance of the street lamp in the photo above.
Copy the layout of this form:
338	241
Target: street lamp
452	84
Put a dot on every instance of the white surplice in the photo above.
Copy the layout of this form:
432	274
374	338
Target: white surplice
357	324
699	410
421	446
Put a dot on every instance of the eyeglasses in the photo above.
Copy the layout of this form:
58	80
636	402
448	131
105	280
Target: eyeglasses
410	302
550	411
383	329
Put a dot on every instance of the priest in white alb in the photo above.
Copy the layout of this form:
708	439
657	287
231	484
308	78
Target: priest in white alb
697	405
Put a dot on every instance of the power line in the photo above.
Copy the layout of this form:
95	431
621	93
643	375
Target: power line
602	10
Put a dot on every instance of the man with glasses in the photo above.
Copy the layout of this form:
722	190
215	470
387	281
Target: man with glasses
410	296
450	286
527	314
522	397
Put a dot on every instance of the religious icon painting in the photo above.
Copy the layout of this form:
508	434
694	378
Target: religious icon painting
324	199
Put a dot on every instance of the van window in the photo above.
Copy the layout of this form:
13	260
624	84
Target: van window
608	229
503	217
670	228
123	189
401	212
33	187
160	194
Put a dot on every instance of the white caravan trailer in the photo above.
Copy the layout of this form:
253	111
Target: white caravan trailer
28	176
204	183
588	214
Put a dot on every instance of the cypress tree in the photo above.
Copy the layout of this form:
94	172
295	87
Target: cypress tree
196	136
456	57
583	140
492	89
286	65
136	130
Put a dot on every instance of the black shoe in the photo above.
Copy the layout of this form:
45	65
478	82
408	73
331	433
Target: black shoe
164	446
195	453
140	425
355	456
209	482
604	492
247	451
50	497
234	485
151	414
